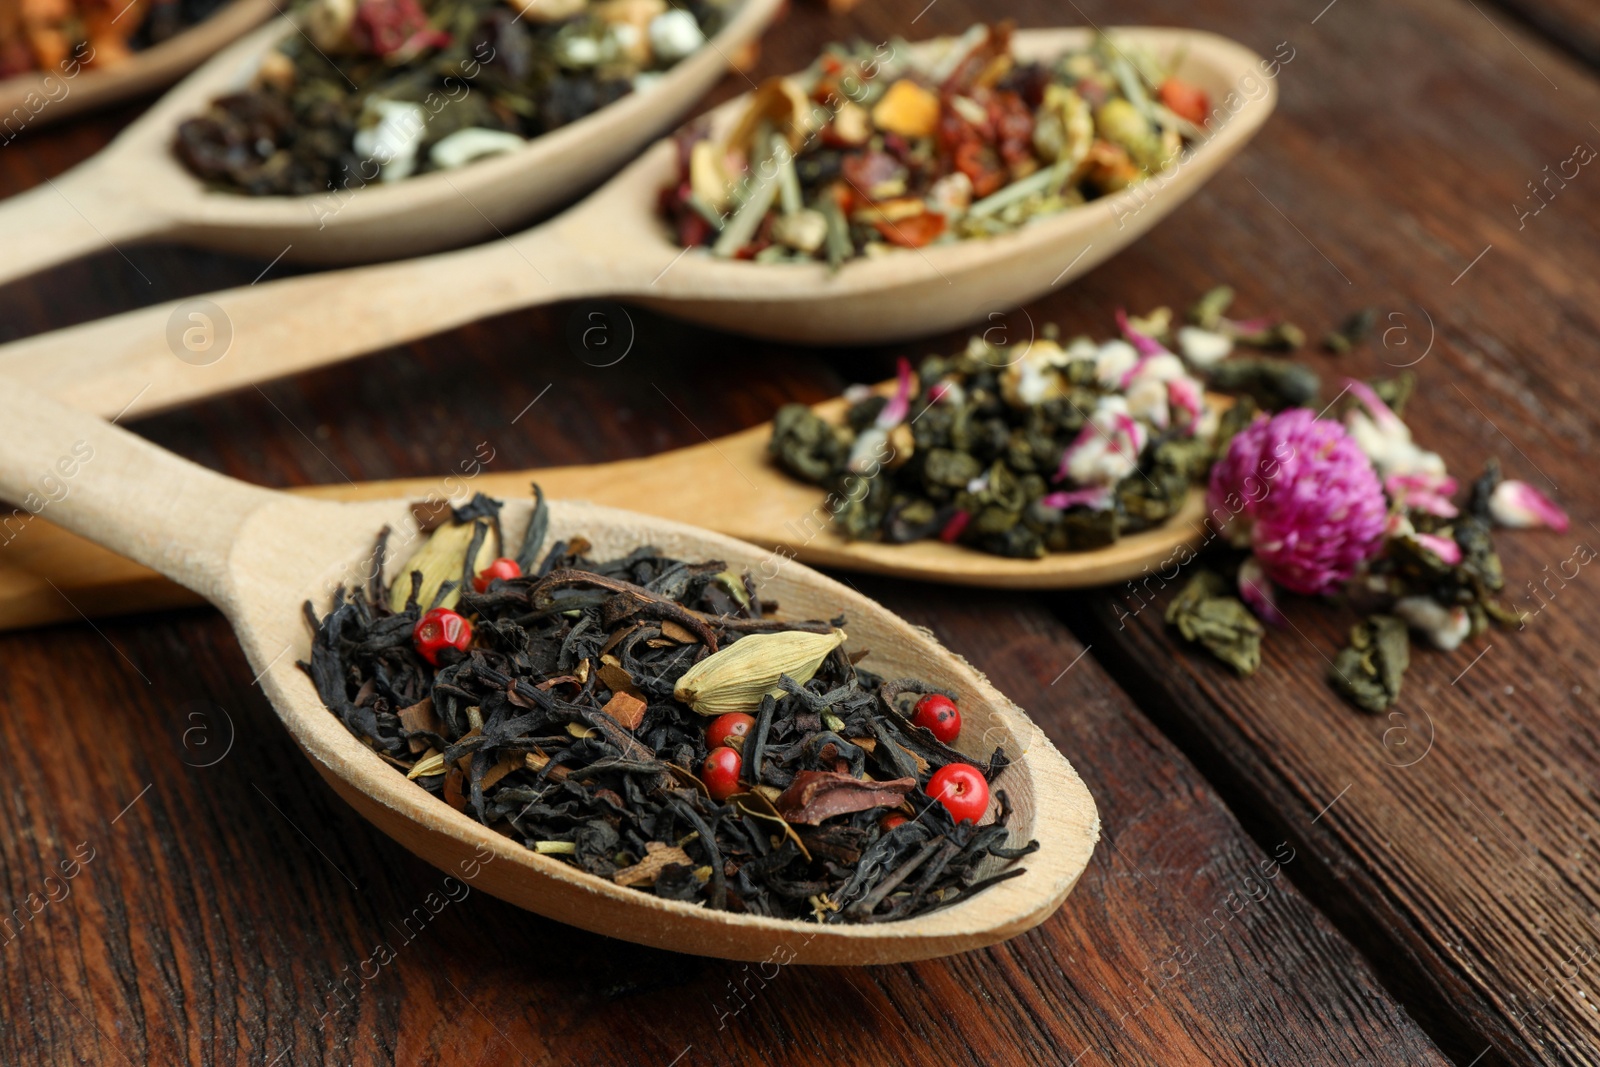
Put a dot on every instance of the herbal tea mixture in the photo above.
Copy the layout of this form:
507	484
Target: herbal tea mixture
1054	448
873	148
62	37
1058	449
379	90
648	721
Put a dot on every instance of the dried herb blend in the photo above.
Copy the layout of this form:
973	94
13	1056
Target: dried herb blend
878	147
1340	500
62	37
378	90
647	720
1050	449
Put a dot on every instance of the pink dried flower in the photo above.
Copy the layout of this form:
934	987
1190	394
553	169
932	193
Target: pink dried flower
1304	497
896	410
1427	493
1097	497
955	527
1444	547
1519	505
1257	591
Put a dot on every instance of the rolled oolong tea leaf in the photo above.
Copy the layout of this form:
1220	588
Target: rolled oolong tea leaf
558	726
1352	332
1274	384
1204	612
1369	670
1058	449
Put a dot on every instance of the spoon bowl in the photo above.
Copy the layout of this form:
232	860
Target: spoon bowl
47	96
613	244
730	485
259	555
136	189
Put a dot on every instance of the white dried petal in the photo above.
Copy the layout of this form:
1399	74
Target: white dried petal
675	34
1445	627
391	135
1203	348
474	142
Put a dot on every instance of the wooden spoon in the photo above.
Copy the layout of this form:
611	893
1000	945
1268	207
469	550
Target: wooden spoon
729	485
259	555
613	243
47	96
135	189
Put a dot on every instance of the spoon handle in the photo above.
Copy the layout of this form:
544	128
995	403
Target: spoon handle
71	215
163	356
118	490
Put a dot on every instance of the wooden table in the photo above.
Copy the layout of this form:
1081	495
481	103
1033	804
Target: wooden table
1436	899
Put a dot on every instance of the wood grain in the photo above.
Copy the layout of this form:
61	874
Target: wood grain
1570	24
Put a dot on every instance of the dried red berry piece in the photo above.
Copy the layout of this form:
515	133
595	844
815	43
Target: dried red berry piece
720	773
962	789
438	630
500	570
939	715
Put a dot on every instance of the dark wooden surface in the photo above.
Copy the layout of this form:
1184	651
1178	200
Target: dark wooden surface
1437	911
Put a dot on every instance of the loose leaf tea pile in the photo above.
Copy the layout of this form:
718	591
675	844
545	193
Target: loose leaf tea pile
378	90
566	703
1339	500
64	37
1016	451
873	148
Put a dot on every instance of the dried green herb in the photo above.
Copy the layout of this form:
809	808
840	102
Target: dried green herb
1369	670
879	147
1352	332
1205	612
1208	312
378	90
1273	384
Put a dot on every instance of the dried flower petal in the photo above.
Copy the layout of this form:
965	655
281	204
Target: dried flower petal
1443	547
1521	506
1306	498
818	795
1258	592
1445	627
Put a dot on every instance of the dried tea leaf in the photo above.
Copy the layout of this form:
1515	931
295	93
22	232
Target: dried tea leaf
818	795
1352	332
627	709
1206	613
1368	672
1272	383
657	856
760	803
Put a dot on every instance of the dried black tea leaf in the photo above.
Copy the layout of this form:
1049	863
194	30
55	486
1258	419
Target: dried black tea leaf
552	715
